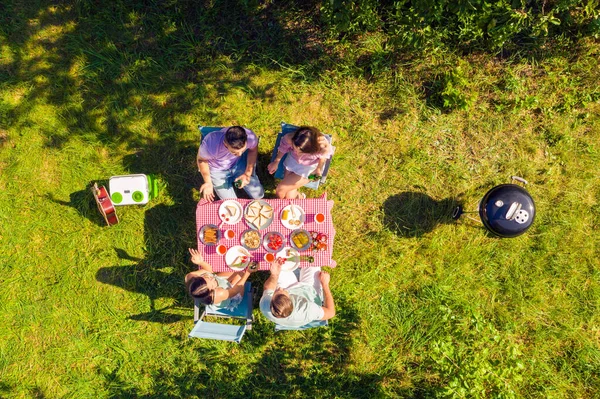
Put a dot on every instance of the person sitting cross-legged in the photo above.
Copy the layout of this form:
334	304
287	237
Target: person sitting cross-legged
220	163
292	303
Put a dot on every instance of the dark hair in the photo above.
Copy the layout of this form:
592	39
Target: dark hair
306	139
198	289
281	306
236	137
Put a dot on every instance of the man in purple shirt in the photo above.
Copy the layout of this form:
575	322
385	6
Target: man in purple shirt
219	163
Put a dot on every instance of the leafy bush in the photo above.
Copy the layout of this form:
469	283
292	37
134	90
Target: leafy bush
474	359
454	90
483	24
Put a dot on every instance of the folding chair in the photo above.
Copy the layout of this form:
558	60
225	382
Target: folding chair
312	324
279	174
224	332
204	130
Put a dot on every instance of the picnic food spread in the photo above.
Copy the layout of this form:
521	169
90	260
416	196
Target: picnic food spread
292	216
209	234
300	239
258	214
230	212
234	233
251	239
273	241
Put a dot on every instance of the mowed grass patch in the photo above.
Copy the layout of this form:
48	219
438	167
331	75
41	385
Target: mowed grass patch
426	306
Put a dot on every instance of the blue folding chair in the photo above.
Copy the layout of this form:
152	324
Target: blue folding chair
279	174
224	332
204	130
312	324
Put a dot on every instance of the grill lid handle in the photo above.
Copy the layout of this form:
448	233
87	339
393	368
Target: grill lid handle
512	211
517	178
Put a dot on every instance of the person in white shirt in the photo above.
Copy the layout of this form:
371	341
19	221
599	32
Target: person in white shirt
290	302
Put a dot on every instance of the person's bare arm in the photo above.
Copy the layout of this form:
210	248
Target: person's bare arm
329	308
240	278
320	165
272	167
250	162
271	282
222	294
325	150
198	259
206	189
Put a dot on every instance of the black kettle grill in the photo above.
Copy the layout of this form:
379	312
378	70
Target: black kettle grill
506	210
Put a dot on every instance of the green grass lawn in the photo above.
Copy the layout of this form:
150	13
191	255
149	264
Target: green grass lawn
426	307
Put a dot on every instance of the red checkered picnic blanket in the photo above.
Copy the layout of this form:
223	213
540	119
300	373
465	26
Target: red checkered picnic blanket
208	213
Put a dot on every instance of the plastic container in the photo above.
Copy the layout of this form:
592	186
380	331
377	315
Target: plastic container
135	189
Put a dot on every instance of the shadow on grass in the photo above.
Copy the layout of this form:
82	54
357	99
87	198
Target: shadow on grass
83	202
106	66
312	363
167	230
412	214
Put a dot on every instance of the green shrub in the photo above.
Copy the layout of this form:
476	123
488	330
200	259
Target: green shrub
474	359
483	24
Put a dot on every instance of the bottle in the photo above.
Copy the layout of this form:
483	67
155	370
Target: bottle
237	183
314	177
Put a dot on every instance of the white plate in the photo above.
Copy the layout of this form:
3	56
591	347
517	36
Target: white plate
295	213
289	265
233	253
236	217
266	221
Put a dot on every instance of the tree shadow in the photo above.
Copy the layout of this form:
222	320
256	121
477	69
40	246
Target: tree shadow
412	214
161	60
167	232
312	363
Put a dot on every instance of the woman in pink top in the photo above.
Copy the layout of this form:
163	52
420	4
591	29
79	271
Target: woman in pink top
307	150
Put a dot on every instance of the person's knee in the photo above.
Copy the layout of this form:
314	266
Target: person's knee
280	192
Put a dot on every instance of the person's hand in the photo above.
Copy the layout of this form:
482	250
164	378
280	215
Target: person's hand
244	178
318	172
207	191
252	267
272	167
324	277
197	257
276	265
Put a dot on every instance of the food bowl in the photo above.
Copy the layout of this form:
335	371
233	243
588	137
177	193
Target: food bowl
273	241
206	235
250	239
300	239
